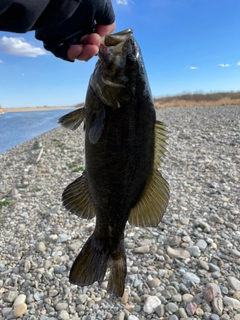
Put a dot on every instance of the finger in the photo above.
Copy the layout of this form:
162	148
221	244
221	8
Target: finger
92	38
88	52
74	51
102	30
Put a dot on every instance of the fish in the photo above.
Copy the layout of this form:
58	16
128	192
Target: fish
124	145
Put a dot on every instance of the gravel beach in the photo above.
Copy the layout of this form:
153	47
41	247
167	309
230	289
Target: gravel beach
186	268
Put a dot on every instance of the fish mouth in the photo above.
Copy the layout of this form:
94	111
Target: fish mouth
116	40
118	37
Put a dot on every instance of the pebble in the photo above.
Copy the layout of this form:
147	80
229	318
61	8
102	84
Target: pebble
61	306
143	249
194	248
20	309
234	283
171	307
178	252
189	276
124	298
63	315
151	303
153	282
20	299
228	301
202	244
10	296
40	247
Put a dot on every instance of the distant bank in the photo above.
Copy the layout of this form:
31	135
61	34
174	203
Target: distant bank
4	110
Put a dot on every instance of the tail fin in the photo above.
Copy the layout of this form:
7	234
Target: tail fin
118	270
91	265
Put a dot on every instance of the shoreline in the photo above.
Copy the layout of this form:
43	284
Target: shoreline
5	110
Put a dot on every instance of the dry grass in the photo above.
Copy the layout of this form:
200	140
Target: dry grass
199	99
182	100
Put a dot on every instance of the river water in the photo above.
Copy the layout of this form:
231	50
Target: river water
18	127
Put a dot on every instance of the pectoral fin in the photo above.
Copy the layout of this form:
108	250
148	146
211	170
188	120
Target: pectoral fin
150	208
76	198
97	125
73	119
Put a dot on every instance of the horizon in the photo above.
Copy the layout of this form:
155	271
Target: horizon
187	47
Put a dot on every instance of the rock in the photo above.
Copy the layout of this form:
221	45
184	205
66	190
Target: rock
182	313
151	303
178	252
124	298
20	310
189	276
61	306
153	282
40	247
6	311
63	238
202	245
204	264
217	305
177	297
63	315
208	293
191	308
82	298
20	299
217	219
120	316
234	283
231	302
194	251
60	269
10	296
171	307
236	295
143	249
187	297
199	312
160	310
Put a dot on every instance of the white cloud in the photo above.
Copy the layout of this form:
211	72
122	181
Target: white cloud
19	47
1	61
224	65
192	67
238	63
124	2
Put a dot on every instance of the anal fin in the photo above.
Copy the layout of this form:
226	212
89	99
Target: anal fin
76	198
73	119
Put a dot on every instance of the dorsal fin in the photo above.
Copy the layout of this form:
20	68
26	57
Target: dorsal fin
73	119
150	208
76	198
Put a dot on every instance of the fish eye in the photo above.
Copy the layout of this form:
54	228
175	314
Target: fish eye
130	59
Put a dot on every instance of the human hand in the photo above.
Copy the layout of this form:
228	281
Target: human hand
90	43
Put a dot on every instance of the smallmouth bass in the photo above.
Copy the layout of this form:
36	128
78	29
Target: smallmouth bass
124	144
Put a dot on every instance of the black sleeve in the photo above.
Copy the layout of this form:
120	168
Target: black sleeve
58	23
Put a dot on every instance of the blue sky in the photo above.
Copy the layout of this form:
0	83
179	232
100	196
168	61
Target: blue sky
187	46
